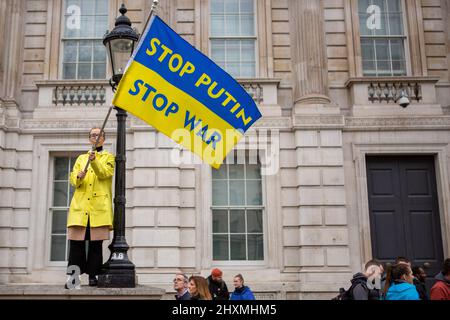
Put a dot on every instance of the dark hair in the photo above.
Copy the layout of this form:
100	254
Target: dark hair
446	267
402	259
416	270
395	273
103	132
373	262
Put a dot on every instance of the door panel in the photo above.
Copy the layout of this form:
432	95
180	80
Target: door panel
404	212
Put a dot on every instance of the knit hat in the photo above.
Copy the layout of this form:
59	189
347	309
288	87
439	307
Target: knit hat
216	272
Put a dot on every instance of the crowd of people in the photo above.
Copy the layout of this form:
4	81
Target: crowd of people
211	288
399	281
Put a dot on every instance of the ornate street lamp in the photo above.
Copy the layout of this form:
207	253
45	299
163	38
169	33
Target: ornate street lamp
119	271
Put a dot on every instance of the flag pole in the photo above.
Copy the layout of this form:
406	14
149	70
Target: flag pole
94	146
152	10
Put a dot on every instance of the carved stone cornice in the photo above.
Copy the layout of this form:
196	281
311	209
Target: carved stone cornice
397	123
40	125
319	122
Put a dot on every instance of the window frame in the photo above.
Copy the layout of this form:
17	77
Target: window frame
255	37
62	39
416	64
404	38
49	210
262	207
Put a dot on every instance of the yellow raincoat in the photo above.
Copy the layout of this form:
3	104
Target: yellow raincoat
93	195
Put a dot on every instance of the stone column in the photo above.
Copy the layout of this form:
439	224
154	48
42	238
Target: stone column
308	52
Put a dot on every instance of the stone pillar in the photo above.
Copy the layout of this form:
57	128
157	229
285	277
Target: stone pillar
308	52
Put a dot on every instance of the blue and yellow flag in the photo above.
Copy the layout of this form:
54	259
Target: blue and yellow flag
182	93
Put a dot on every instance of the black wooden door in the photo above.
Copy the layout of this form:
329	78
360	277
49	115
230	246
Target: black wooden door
404	211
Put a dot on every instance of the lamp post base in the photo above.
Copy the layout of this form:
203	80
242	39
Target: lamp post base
117	280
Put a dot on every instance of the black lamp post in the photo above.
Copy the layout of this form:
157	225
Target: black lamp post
119	271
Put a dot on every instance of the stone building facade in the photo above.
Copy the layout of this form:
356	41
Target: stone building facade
357	176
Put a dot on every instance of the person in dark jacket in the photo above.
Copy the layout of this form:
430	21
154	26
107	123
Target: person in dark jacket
419	281
441	289
400	284
241	292
366	285
217	287
180	284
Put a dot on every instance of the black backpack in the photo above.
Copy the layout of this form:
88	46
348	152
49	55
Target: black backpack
348	294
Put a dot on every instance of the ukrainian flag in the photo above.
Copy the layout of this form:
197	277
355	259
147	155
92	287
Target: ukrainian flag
183	94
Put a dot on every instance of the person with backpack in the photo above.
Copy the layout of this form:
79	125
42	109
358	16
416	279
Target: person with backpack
217	287
365	285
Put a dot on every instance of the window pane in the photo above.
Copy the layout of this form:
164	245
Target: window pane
248	51
232	6
217	25
237	192
254	192
61	168
85	51
237	221
231	25
247	25
70	51
217	6
71	191
368	49
60	194
58	248
253	171
254	221
99	53
237	171
382	49
369	68
247	70
87	7
220	193
59	221
238	247
220	221
220	247
233	51
84	71
87	26
101	7
218	50
394	6
395	24
246	6
255	247
69	70
221	173
398	50
99	71
101	25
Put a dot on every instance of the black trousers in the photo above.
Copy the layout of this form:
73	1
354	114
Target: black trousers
90	264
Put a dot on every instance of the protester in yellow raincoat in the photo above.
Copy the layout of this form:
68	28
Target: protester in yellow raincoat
90	214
